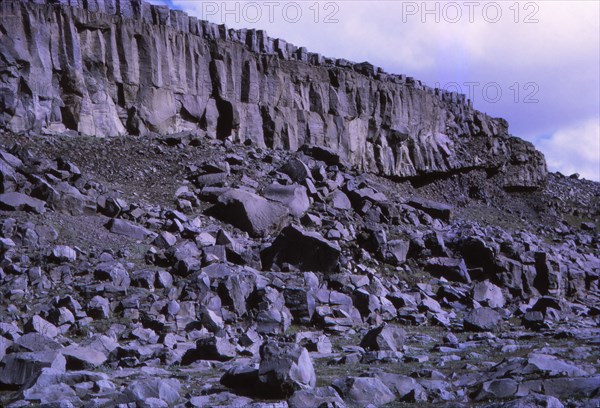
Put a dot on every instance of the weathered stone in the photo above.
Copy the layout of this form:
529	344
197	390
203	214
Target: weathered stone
63	253
293	197
14	201
322	396
296	170
41	326
488	294
307	251
166	390
82	358
249	212
99	308
406	388
339	201
450	268
36	342
113	272
482	319
128	229
435	209
19	368
243	379
385	337
362	391
211	348
285	368
165	240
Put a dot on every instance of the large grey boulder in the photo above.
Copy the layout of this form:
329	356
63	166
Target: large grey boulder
362	391
164	389
437	210
15	201
41	326
488	294
482	319
293	197
249	212
128	229
453	269
82	358
317	397
285	368
385	337
17	369
306	251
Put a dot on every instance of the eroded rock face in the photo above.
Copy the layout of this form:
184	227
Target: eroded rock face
107	68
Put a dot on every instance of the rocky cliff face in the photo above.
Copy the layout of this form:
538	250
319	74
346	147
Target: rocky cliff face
112	67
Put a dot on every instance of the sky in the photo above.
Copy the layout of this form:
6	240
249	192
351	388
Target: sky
534	63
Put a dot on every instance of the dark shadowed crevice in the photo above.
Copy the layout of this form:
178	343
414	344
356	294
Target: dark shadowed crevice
225	121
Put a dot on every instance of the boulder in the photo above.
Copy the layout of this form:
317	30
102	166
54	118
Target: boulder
211	348
296	170
293	197
449	268
249	212
317	397
304	250
433	208
482	319
285	368
63	253
15	201
488	294
166	390
128	229
385	337
19	368
362	391
82	358
339	201
41	326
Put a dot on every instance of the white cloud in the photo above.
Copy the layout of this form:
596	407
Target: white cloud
575	149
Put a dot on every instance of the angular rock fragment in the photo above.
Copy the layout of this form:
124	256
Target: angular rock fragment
293	197
296	170
385	337
321	396
450	268
166	390
15	201
435	209
82	358
285	368
19	368
488	294
63	253
128	229
41	326
362	391
249	212
306	251
482	319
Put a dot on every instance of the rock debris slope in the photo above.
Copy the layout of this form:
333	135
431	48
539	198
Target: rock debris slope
106	68
272	229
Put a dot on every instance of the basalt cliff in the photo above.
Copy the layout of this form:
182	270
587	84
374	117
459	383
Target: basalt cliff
112	67
192	216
